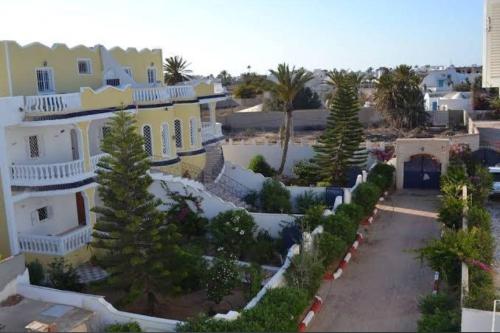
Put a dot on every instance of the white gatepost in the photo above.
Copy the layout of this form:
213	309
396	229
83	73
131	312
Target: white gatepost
347	196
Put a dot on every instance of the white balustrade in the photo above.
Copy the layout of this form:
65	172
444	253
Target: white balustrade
55	245
211	131
49	104
50	174
46	174
181	92
151	95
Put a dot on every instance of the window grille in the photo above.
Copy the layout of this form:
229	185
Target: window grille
151	75
192	131
43	214
34	148
44	80
165	140
178	133
84	66
148	147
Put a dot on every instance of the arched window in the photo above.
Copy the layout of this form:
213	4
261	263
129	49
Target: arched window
178	133
148	144
165	140
193	131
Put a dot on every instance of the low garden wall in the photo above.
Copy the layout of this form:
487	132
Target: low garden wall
105	313
479	321
10	269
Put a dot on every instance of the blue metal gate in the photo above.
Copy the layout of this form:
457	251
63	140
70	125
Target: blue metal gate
422	172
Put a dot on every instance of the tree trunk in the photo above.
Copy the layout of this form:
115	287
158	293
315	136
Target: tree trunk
288	115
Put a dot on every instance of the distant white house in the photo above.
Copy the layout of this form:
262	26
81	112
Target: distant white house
444	101
444	80
319	84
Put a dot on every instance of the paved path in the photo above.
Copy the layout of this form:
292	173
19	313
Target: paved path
380	288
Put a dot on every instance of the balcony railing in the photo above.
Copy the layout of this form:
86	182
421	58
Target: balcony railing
49	104
51	174
211	131
56	245
155	95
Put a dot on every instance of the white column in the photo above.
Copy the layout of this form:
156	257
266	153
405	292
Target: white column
211	107
7	194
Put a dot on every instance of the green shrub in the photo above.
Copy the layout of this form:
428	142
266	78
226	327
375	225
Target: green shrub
36	272
354	211
451	212
254	277
191	268
382	176
307	200
342	226
366	195
265	250
126	327
305	272
232	231
63	276
274	197
481	290
278	311
307	173
330	247
252	199
481	184
440	313
454	179
479	217
258	164
312	218
222	278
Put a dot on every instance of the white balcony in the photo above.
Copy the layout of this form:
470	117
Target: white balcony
211	131
52	174
60	244
52	104
168	94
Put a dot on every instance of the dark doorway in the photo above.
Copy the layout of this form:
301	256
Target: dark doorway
422	172
80	209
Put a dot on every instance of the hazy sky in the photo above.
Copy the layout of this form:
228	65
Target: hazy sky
231	34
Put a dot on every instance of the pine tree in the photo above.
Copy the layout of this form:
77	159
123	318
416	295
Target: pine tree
339	146
134	241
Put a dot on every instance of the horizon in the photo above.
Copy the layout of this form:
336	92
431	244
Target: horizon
385	33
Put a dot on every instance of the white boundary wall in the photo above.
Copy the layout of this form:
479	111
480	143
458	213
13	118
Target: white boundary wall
105	313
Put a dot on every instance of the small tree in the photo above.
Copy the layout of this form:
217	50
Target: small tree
63	276
222	278
136	241
259	164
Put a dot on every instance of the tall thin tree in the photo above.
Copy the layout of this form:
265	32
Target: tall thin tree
343	134
133	239
289	81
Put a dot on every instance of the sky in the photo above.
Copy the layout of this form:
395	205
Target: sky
232	34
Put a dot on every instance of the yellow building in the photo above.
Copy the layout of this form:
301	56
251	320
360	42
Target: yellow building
55	103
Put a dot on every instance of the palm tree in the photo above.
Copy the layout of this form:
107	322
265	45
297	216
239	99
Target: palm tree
176	70
289	83
225	78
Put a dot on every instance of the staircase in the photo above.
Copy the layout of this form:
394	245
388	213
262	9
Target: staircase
218	183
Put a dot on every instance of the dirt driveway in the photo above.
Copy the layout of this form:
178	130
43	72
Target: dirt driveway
380	288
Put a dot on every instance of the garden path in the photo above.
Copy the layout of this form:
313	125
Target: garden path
381	286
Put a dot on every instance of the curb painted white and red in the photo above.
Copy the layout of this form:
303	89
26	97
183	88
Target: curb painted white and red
315	307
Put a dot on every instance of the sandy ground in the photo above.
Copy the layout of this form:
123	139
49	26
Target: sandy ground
380	289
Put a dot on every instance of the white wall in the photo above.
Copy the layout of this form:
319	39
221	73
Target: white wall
55	146
64	215
479	320
105	313
241	154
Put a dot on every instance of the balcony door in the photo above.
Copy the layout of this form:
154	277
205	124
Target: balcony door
74	144
80	209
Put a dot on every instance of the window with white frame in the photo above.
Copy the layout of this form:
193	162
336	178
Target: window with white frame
33	146
45	80
148	144
193	129
151	75
41	215
84	66
128	70
178	133
165	138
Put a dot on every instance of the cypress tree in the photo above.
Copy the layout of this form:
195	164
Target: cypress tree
339	145
134	241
